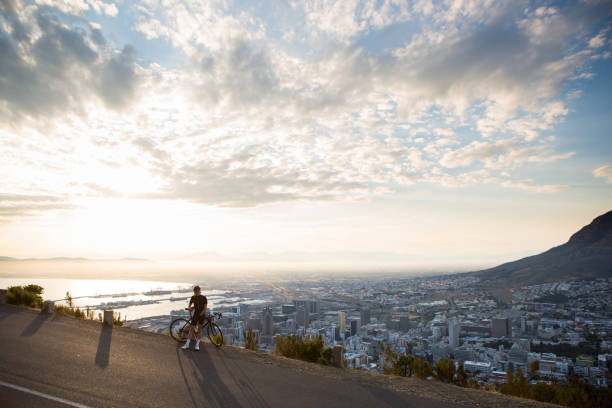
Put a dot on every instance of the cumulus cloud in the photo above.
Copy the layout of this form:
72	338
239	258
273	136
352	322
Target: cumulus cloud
251	116
604	172
49	67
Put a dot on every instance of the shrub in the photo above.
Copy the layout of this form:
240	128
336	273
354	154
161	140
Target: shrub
251	340
117	319
445	370
404	366
69	311
218	337
29	295
313	350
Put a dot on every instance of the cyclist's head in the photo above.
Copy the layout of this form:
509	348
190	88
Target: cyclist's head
196	289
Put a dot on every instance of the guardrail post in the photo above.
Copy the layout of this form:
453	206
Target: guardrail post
338	356
48	306
108	317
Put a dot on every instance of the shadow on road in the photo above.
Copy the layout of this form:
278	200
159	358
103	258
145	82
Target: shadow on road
104	344
211	385
180	363
242	380
35	324
6	312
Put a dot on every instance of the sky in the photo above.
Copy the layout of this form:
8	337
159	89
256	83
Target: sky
388	132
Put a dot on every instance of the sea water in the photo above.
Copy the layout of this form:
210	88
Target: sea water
134	299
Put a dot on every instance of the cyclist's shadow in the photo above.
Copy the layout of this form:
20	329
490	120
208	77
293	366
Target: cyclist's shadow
212	387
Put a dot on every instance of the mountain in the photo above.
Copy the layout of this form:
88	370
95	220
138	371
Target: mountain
587	254
68	259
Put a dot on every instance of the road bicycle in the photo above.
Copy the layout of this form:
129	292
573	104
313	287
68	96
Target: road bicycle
179	328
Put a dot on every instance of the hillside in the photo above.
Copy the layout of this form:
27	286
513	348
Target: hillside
587	254
99	366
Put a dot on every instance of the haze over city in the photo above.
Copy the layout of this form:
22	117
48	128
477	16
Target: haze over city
435	134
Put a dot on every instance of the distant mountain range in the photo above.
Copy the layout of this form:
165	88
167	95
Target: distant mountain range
587	254
67	259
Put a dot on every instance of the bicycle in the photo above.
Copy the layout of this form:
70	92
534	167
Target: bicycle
179	329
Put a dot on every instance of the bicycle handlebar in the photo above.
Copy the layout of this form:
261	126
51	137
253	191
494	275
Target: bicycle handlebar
217	314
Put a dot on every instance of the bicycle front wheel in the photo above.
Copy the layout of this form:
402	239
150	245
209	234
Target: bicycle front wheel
179	329
215	335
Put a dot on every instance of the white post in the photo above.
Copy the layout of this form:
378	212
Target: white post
48	306
338	356
108	317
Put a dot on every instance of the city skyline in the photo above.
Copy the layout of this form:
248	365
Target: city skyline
446	134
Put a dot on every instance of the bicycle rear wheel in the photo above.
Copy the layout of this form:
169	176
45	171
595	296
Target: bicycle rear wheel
179	329
215	335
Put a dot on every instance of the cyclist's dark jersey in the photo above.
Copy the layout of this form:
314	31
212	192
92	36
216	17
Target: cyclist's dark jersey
199	302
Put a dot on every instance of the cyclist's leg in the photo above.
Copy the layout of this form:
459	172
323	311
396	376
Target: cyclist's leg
189	336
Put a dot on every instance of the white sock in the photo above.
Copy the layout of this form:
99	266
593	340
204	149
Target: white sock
197	342
187	344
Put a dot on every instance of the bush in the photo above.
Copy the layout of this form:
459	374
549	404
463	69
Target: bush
251	340
70	311
314	351
445	370
29	295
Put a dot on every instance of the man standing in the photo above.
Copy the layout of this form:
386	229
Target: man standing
197	304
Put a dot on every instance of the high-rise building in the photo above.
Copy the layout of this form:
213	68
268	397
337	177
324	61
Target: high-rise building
365	316
453	332
354	327
254	323
268	322
312	306
342	321
404	323
500	327
302	317
288	309
335	332
243	309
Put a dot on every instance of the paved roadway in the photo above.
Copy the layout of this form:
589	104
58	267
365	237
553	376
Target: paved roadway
57	361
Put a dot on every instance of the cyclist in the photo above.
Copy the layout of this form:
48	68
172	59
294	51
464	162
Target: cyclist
197	304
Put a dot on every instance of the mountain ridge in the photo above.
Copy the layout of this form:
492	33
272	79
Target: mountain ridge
586	255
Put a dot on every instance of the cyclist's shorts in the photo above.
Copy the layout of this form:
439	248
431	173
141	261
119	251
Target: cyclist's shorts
197	319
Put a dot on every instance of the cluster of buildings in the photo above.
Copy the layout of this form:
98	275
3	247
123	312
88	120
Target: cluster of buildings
548	331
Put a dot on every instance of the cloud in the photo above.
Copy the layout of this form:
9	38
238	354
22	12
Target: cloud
49	67
343	20
462	94
19	205
78	7
118	79
499	154
604	172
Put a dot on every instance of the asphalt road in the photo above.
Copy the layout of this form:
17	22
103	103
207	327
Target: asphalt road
57	361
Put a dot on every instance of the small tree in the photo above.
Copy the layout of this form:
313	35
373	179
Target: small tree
69	300
404	365
445	370
462	376
389	358
522	385
29	295
534	367
251	340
